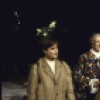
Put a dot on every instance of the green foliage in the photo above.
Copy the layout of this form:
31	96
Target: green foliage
45	30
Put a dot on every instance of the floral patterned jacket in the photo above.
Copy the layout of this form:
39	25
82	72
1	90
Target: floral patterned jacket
87	68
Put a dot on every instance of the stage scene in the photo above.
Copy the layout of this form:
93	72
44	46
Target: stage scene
51	50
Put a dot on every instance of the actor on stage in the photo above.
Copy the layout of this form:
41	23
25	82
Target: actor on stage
50	78
87	72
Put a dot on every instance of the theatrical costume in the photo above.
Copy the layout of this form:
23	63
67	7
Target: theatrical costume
88	68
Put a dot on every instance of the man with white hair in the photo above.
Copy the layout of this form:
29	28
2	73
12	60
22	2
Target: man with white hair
87	73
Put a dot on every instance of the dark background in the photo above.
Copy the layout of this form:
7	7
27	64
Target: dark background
76	21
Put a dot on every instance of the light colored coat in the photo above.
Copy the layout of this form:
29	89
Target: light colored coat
44	85
98	96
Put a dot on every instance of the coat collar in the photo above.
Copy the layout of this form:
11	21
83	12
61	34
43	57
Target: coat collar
48	70
96	54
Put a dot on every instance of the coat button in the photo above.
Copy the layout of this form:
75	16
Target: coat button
55	83
56	94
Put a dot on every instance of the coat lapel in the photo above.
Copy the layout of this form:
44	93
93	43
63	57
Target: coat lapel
57	69
48	70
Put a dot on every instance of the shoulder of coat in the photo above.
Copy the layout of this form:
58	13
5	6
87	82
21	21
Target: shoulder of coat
63	62
85	55
67	67
35	65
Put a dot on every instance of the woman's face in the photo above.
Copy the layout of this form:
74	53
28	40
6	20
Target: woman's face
96	43
51	52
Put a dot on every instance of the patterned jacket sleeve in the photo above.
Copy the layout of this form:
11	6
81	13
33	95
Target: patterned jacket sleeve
79	72
98	74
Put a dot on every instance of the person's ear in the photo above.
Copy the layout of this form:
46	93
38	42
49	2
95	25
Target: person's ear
44	51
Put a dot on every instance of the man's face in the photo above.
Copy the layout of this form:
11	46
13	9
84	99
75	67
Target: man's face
96	43
51	52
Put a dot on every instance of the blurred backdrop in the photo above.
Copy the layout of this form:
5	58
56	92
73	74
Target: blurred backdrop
76	21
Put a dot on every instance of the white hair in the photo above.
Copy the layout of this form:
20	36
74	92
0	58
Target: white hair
97	34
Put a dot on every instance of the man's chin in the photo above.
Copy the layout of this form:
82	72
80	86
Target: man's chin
55	57
97	50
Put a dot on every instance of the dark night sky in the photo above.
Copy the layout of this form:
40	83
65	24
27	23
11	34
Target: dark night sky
80	19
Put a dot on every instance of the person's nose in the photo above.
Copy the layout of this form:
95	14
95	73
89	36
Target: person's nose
56	50
99	43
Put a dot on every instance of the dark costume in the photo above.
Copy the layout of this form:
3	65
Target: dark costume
88	68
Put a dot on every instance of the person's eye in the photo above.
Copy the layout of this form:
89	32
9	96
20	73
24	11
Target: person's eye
52	48
97	41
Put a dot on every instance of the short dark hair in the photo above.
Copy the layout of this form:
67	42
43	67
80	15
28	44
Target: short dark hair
47	42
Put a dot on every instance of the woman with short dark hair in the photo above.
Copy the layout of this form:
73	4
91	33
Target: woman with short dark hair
50	78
